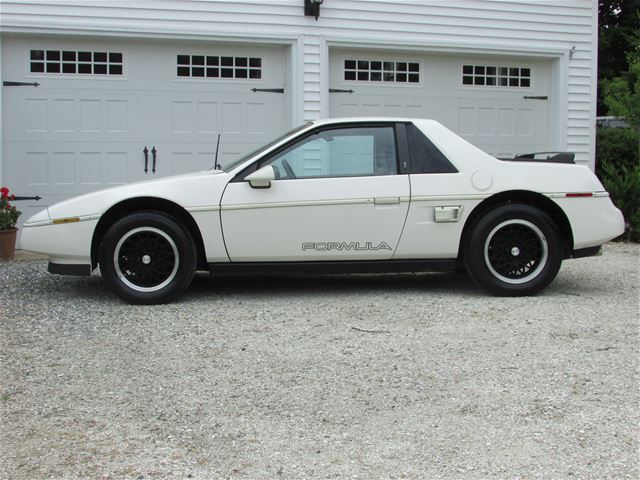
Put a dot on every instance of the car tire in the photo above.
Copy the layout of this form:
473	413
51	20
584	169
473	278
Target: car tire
513	250
147	258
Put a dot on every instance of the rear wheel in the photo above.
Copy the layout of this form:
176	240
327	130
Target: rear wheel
147	258
514	250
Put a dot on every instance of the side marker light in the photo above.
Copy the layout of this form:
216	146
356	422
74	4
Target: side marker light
60	221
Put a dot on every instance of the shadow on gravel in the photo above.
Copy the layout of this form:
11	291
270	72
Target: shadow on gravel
321	285
34	280
38	282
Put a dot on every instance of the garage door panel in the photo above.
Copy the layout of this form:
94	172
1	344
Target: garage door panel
64	117
55	173
50	167
461	92
191	119
369	107
173	158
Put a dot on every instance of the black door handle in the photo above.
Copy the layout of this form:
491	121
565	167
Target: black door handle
153	152
146	159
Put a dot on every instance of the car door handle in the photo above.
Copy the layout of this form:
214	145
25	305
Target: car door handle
386	200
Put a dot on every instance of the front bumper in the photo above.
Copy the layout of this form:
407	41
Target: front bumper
65	244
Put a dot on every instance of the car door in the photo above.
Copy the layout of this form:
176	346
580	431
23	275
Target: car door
337	195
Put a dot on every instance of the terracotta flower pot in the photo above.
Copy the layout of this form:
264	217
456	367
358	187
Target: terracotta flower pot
8	243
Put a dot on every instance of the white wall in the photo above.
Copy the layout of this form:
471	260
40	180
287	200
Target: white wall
547	29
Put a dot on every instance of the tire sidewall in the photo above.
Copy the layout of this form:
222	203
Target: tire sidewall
184	245
475	254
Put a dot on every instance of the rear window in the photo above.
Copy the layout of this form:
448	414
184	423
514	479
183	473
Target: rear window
425	157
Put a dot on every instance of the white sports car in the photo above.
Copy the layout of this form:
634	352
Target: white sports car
342	195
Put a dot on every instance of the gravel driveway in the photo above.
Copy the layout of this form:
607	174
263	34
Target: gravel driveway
389	376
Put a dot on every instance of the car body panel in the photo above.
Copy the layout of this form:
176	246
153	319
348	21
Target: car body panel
364	216
199	193
199	189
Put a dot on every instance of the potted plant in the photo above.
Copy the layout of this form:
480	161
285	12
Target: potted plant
8	218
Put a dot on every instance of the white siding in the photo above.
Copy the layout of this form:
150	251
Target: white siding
312	78
531	27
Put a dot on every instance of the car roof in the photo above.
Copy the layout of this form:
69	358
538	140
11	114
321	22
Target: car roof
329	121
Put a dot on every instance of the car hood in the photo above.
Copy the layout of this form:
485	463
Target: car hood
199	189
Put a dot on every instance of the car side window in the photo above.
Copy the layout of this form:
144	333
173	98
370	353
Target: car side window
425	156
339	152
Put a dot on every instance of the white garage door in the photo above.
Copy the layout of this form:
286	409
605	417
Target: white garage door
499	104
101	103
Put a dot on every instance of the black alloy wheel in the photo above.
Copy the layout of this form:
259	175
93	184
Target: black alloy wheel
147	258
514	250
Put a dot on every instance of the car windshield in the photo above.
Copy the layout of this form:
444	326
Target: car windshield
230	166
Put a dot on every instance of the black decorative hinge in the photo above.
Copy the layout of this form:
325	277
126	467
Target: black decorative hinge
36	198
268	90
338	90
541	97
20	84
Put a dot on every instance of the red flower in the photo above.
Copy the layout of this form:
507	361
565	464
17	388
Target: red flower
13	197
4	191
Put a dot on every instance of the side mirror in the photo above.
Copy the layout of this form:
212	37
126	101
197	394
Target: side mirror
262	177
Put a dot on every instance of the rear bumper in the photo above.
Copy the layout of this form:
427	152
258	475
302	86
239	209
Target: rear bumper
594	221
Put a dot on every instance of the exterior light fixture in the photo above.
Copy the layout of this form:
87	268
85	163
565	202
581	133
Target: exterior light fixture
312	8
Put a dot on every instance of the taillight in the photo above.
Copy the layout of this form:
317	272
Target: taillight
578	195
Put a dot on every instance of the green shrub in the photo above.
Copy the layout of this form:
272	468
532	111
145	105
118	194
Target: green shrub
616	145
623	184
618	166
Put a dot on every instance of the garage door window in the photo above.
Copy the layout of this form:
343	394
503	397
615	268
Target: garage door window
76	62
380	71
339	152
214	66
492	76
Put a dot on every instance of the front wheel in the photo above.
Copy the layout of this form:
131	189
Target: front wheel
147	258
514	250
